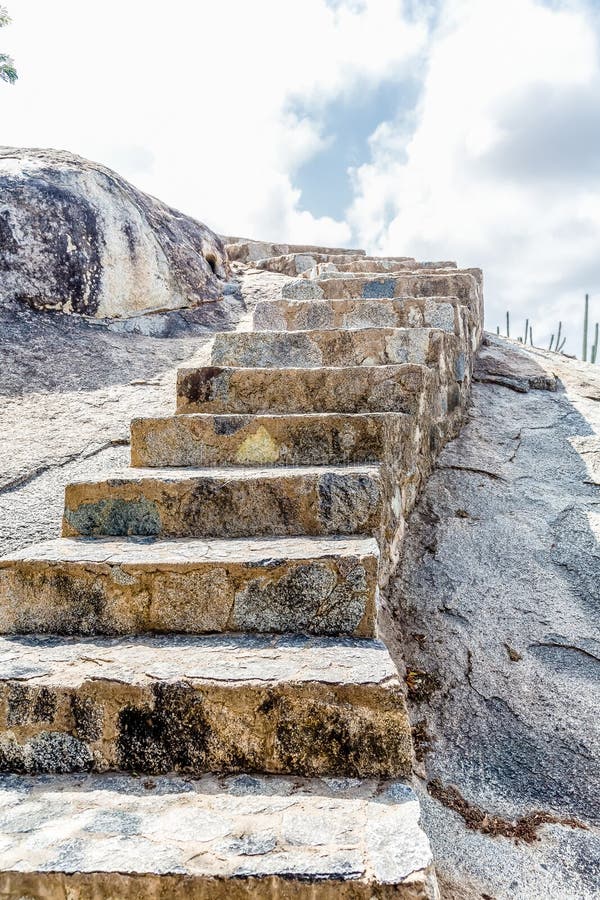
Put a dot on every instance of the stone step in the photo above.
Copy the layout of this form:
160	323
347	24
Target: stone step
295	264
466	284
128	586
330	347
247	251
219	703
227	503
222	389
445	313
316	439
239	836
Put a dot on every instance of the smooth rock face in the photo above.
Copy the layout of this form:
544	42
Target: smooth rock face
76	237
227	503
119	837
296	705
496	607
221	389
128	586
320	439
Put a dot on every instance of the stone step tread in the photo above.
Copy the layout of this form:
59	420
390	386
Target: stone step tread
120	836
279	704
255	389
170	474
117	586
124	551
232	659
206	439
238	501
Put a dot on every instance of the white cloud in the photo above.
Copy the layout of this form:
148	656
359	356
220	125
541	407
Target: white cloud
191	101
468	183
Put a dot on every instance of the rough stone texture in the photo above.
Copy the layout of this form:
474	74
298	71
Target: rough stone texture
76	237
294	264
227	502
292	704
319	439
407	312
347	347
496	610
222	389
128	586
241	836
248	251
466	284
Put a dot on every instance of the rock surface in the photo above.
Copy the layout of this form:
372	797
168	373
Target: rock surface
496	609
76	237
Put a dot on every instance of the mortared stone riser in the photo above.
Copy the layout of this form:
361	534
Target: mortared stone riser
227	503
128	586
446	314
317	439
220	389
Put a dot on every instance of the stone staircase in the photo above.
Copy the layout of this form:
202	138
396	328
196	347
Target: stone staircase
195	697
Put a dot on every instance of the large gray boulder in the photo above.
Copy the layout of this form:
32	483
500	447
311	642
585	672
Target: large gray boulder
76	237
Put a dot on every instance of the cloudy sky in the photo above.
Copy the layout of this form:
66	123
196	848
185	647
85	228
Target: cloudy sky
461	129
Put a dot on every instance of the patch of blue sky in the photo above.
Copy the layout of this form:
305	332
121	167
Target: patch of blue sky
347	123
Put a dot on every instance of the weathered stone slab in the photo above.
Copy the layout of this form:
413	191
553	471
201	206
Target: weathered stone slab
221	389
247	251
294	264
234	502
224	703
466	284
113	836
445	313
329	347
317	439
128	586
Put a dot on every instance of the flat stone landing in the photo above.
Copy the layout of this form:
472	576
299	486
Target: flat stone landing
114	836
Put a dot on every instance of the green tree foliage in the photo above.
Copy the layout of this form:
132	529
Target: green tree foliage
7	66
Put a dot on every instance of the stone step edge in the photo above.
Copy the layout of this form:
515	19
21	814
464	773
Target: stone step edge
141	837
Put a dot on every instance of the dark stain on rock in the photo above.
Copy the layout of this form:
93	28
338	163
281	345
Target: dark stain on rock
171	735
83	605
380	288
127	228
347	502
453	397
29	704
44	708
20	704
227	425
421	685
8	243
525	828
196	385
47	753
316	738
65	228
116	517
87	718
